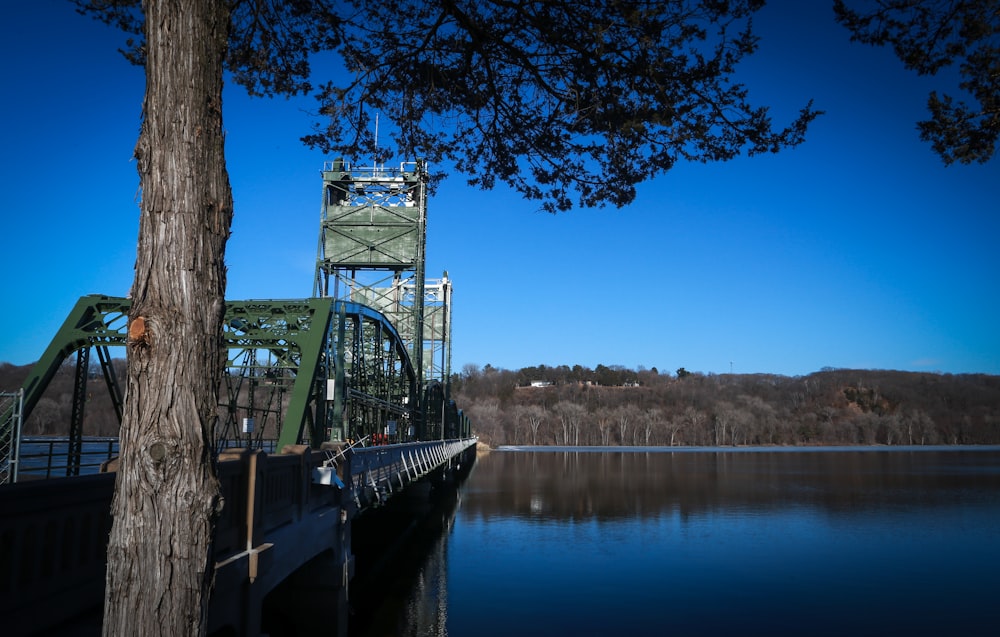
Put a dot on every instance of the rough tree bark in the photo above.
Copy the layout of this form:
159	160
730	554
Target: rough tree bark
159	574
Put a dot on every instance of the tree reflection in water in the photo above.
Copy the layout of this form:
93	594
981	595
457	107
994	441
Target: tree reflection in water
711	541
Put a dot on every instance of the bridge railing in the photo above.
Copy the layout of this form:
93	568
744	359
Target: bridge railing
53	543
11	420
44	457
264	492
379	471
54	533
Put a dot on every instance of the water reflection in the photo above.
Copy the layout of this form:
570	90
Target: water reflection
574	485
427	606
711	542
401	583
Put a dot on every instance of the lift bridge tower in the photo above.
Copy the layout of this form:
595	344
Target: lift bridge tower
372	240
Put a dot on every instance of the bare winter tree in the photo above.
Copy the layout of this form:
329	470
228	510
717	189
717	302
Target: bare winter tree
572	416
568	103
652	421
535	415
603	418
626	417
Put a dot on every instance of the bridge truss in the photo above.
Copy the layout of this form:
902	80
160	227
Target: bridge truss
298	371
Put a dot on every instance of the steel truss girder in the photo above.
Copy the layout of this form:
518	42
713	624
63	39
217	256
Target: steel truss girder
289	347
382	384
95	320
437	331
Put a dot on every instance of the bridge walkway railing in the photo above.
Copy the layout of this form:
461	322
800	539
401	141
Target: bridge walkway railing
378	472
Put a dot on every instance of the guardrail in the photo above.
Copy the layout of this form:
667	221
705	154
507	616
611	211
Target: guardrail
45	457
11	420
53	545
53	533
378	472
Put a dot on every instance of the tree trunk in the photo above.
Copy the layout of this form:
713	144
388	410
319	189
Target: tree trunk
159	570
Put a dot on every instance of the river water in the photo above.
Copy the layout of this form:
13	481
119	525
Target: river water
825	541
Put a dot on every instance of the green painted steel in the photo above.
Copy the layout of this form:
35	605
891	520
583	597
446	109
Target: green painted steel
373	218
342	365
373	234
372	239
94	320
298	371
277	348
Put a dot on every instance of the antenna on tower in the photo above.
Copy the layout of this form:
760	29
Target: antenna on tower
375	156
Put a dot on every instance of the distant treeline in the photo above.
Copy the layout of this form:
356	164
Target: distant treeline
54	409
617	406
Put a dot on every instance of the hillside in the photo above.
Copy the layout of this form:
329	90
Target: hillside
616	406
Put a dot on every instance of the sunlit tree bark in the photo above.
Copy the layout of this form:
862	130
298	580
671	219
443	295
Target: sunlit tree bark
159	572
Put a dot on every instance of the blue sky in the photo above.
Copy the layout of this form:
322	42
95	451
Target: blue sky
858	249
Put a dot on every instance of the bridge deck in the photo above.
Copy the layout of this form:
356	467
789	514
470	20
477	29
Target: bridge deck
280	512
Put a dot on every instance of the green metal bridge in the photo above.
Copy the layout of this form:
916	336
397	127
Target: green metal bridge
300	371
329	405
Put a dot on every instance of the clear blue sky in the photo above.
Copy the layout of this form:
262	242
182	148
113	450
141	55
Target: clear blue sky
858	249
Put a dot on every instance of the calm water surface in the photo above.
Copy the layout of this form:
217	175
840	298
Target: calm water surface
709	542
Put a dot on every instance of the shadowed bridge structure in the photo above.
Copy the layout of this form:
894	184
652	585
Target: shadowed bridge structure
327	409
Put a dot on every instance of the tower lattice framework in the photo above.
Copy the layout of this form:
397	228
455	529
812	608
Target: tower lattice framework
372	242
